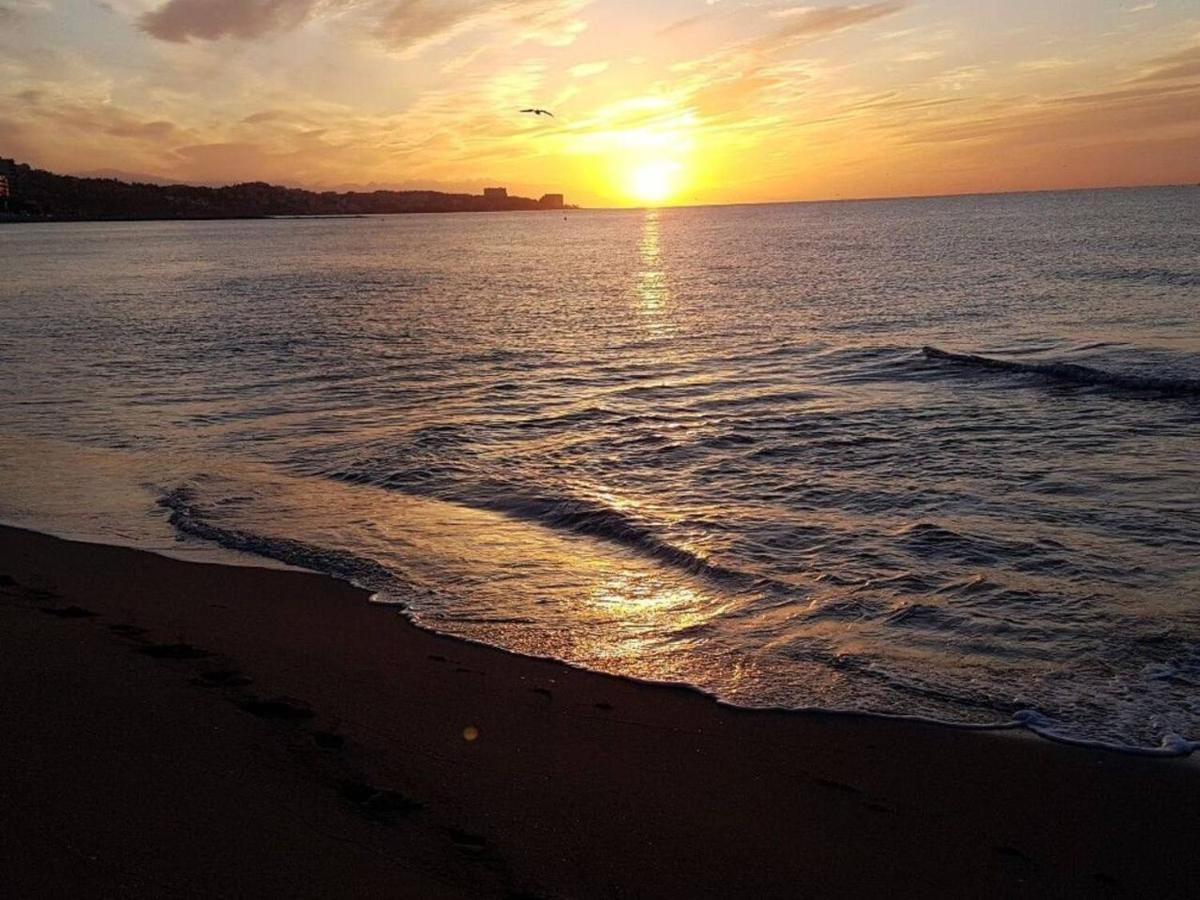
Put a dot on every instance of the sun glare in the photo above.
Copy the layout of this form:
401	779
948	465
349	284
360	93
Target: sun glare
654	182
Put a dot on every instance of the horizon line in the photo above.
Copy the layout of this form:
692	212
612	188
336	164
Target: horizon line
875	198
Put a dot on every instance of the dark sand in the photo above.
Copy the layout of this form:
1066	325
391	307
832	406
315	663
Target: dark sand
224	731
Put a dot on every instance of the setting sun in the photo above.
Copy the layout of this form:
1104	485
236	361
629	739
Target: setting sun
654	182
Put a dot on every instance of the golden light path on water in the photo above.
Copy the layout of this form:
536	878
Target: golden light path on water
652	288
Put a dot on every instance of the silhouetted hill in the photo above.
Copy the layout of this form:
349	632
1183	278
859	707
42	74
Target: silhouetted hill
40	195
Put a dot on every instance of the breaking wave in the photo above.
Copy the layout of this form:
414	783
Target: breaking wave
583	517
186	516
1073	373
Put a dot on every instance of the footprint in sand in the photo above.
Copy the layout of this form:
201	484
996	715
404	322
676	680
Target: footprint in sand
173	651
838	786
276	708
1017	860
380	804
328	740
222	678
464	840
126	630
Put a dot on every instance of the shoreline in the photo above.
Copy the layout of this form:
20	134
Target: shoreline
208	551
575	783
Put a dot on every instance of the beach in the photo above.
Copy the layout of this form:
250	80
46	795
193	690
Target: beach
177	728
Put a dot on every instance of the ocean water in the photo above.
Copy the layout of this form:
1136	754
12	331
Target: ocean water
935	458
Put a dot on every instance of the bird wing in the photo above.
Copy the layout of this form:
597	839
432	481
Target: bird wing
529	110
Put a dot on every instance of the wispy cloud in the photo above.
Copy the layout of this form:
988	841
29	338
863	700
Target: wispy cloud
586	70
807	22
549	22
1184	64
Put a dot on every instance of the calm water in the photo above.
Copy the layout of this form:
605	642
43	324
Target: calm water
697	445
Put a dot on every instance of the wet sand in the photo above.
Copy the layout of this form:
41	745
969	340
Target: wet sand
173	728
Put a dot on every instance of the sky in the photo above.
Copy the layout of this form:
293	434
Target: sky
654	101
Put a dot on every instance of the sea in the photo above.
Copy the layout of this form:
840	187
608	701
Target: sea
931	458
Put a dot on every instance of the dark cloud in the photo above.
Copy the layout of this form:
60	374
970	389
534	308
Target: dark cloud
208	20
400	24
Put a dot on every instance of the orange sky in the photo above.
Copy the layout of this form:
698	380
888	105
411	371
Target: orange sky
678	101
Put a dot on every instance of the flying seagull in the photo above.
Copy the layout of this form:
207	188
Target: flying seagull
539	112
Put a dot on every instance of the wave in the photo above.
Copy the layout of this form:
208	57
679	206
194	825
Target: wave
185	516
1073	373
605	523
1147	275
577	516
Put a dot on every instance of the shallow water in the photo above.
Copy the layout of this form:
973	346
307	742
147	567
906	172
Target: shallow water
701	445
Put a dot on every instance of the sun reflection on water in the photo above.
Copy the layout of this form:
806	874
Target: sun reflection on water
652	289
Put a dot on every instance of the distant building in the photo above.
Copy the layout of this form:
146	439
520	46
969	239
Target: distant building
551	201
3	185
495	193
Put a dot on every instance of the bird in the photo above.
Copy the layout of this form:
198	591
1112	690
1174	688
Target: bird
539	112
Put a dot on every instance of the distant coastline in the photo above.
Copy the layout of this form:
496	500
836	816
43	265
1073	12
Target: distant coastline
35	195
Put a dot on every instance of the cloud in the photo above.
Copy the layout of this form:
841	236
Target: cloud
180	21
153	131
410	22
1077	118
408	25
749	84
1048	64
1184	64
584	70
14	10
680	25
403	26
920	56
803	23
92	117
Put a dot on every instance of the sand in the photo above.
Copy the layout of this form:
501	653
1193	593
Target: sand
174	728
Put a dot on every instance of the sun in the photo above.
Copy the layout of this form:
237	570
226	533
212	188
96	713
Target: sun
654	181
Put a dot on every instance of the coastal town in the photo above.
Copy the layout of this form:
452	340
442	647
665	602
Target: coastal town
28	194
